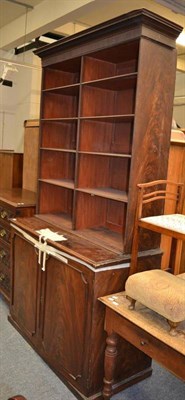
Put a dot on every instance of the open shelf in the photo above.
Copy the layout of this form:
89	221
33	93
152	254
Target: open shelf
55	199
121	59
100	213
59	135
63	221
57	165
59	105
62	74
106	137
102	102
96	172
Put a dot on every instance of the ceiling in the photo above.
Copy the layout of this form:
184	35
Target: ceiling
12	9
83	14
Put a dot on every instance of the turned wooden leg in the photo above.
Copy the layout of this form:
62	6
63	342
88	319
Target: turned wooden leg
109	365
173	326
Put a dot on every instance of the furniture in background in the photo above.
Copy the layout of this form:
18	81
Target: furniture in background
172	225
157	289
145	330
102	109
13	203
176	173
30	158
11	166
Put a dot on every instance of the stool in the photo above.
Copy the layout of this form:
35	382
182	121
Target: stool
160	291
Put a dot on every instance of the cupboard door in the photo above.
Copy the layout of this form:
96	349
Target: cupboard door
65	314
25	273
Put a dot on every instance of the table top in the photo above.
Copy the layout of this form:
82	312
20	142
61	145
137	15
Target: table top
147	320
171	222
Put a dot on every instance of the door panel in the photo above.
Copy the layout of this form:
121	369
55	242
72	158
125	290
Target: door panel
25	283
65	316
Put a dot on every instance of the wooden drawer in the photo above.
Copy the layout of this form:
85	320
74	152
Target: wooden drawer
5	233
4	255
4	278
6	214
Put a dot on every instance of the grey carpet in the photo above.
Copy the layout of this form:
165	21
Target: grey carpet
22	371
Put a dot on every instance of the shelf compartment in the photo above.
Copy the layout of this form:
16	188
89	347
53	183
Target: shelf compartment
109	137
59	105
121	59
55	200
63	221
62	74
57	165
59	134
102	102
100	214
96	172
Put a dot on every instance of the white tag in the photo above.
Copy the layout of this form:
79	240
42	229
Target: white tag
48	234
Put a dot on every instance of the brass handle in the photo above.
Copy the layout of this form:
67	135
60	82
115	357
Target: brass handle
2	277
4	214
2	233
2	254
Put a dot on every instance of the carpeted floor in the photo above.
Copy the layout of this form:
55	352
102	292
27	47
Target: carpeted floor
22	371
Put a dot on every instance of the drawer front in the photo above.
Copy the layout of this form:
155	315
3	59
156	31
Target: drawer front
4	278
6	214
4	233
4	255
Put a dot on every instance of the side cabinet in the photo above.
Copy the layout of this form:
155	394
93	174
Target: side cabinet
55	306
50	307
13	203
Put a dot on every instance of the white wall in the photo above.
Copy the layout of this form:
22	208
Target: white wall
179	100
19	102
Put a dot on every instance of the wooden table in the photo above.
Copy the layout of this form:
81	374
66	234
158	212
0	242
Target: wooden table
144	329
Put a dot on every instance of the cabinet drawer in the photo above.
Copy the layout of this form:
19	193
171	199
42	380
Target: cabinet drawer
6	214
4	255
4	233
4	278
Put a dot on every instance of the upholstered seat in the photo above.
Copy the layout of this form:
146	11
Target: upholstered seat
158	289
161	292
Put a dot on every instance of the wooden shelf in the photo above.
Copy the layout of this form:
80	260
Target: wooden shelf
109	118
107	193
69	90
59	150
105	154
59	182
119	82
99	127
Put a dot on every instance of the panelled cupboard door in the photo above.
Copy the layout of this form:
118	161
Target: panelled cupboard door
25	276
65	315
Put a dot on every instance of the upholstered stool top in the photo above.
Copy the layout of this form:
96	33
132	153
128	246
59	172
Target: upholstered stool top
160	291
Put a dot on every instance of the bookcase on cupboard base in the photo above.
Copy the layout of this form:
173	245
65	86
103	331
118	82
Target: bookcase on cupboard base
106	111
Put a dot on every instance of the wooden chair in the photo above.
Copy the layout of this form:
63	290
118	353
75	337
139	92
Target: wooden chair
159	290
172	195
